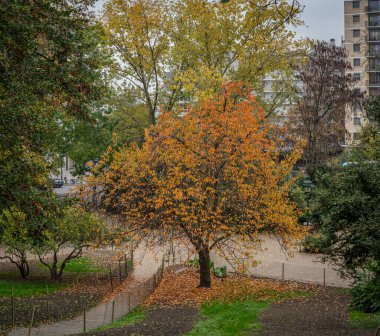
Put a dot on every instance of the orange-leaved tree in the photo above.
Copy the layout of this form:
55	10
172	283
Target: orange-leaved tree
213	174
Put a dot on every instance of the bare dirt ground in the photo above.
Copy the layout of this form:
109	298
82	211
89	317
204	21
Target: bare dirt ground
174	308
159	321
324	314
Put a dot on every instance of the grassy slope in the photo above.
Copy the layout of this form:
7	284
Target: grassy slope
238	317
83	265
29	288
26	288
363	320
233	318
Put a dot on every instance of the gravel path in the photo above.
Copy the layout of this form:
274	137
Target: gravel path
325	314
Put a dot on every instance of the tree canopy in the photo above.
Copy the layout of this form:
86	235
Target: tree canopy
49	67
326	91
210	176
175	51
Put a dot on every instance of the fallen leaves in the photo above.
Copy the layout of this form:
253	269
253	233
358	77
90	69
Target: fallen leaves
179	287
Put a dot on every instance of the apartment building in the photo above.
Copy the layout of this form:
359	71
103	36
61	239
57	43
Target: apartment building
362	42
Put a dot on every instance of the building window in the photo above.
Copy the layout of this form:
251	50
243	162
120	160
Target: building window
374	50
374	78
357	47
356	18
374	35
374	20
355	4
357	121
357	107
356	92
356	33
356	62
373	5
374	64
356	76
355	136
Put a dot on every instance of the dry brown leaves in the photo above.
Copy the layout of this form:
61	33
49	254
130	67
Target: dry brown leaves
179	287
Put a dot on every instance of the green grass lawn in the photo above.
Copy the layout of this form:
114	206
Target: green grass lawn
133	317
26	288
233	318
363	320
83	265
238	317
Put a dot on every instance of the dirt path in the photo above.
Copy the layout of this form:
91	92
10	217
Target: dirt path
160	321
325	314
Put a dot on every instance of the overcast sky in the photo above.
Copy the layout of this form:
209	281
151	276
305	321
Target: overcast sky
324	19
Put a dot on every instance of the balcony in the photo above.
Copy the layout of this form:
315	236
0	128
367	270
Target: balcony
373	23
374	35
373	83
373	6
372	9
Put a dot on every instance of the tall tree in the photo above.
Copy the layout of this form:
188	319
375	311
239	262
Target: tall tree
346	202
319	115
49	66
173	51
209	177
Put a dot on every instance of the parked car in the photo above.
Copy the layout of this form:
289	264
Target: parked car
57	183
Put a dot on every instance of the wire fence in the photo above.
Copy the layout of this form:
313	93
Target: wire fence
308	271
126	300
104	313
29	306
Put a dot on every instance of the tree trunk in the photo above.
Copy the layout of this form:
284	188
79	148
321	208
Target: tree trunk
54	268
22	264
24	269
205	271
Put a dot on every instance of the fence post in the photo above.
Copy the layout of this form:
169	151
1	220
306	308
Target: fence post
111	280
324	276
78	293
31	321
120	278
47	303
125	265
129	302
113	311
283	271
13	307
84	318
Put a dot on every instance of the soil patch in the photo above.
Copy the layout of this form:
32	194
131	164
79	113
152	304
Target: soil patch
80	289
325	313
159	321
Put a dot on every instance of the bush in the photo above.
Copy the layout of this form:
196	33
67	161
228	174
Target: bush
195	263
366	296
313	244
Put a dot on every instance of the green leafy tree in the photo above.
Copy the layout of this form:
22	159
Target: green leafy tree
118	119
347	200
372	107
74	230
347	204
50	64
176	51
16	238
